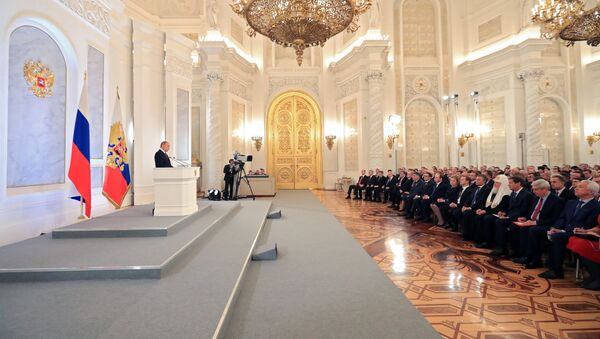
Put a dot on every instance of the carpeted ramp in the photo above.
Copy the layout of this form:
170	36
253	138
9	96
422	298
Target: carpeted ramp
323	285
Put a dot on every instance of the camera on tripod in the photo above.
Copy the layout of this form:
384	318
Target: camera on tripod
241	159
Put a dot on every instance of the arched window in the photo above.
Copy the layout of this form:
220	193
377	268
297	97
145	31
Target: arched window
36	123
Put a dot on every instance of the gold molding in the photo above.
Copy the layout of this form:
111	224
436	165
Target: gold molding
269	122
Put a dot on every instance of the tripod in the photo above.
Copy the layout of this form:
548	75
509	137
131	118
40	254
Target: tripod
241	175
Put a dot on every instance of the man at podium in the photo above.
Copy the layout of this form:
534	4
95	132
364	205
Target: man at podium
161	158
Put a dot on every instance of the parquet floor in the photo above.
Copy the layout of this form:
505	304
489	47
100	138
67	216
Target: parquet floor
461	290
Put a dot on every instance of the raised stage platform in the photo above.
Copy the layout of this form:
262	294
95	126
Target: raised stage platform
322	286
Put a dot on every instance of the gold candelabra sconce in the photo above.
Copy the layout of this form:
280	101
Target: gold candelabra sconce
391	139
463	140
592	139
258	142
330	139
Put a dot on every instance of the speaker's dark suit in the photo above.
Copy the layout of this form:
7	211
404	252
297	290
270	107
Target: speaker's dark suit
519	236
574	215
518	206
161	159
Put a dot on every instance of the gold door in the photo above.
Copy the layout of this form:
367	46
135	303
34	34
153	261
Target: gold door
294	126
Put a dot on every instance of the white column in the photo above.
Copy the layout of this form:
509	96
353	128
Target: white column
214	131
375	119
178	75
148	108
533	126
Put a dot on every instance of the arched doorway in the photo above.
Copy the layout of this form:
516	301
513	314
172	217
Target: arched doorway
295	142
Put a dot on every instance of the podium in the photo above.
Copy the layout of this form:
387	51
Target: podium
175	191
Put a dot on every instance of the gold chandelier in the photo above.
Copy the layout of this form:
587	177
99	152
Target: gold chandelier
300	23
567	20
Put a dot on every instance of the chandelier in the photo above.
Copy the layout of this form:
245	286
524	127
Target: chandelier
567	20
300	23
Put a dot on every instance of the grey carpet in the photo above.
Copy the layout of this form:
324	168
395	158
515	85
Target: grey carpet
323	285
187	303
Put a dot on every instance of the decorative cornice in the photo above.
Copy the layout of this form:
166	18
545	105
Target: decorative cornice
214	76
311	83
533	74
92	11
374	76
236	87
180	67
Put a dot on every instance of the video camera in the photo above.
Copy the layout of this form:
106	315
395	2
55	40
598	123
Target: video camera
239	158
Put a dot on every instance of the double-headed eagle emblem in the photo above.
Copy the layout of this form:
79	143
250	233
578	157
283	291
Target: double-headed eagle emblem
39	77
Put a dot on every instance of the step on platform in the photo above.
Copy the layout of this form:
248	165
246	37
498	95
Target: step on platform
136	221
49	259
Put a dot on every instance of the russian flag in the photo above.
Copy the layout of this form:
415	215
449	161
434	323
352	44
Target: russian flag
116	170
79	170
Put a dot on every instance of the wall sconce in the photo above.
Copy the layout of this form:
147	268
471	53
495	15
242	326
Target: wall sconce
329	142
258	142
592	139
464	138
391	139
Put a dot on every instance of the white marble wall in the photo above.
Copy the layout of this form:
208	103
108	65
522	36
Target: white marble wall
36	126
183	124
95	73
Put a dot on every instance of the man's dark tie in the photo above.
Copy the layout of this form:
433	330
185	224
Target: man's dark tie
578	207
475	196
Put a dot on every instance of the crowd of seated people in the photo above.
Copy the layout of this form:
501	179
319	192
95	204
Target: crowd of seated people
516	213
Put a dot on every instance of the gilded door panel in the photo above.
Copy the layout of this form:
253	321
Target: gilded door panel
294	142
283	123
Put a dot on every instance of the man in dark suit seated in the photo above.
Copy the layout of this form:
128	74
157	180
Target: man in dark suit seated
161	158
358	187
464	199
396	194
477	202
379	187
439	191
559	188
440	206
389	187
428	185
518	206
580	213
415	190
370	186
545	210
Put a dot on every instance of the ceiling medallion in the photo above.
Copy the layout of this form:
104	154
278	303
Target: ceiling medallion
300	23
39	77
567	20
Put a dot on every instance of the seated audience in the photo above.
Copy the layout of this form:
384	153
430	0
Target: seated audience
586	244
440	206
497	200
358	187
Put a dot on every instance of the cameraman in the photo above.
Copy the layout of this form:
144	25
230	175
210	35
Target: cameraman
229	170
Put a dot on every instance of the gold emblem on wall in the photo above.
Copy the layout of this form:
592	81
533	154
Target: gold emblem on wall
39	77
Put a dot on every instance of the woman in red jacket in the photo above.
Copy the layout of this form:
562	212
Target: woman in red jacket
586	243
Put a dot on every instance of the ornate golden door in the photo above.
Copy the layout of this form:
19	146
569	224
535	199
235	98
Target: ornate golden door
294	129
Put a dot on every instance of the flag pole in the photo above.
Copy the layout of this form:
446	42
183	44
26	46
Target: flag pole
81	215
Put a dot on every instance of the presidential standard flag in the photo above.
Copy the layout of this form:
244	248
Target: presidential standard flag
79	169
116	170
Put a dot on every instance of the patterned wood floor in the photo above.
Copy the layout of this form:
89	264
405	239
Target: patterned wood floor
460	289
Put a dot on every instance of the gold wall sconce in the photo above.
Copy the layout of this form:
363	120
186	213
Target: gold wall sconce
592	139
464	139
329	141
258	142
391	139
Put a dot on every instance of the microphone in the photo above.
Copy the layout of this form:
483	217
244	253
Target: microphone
180	163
